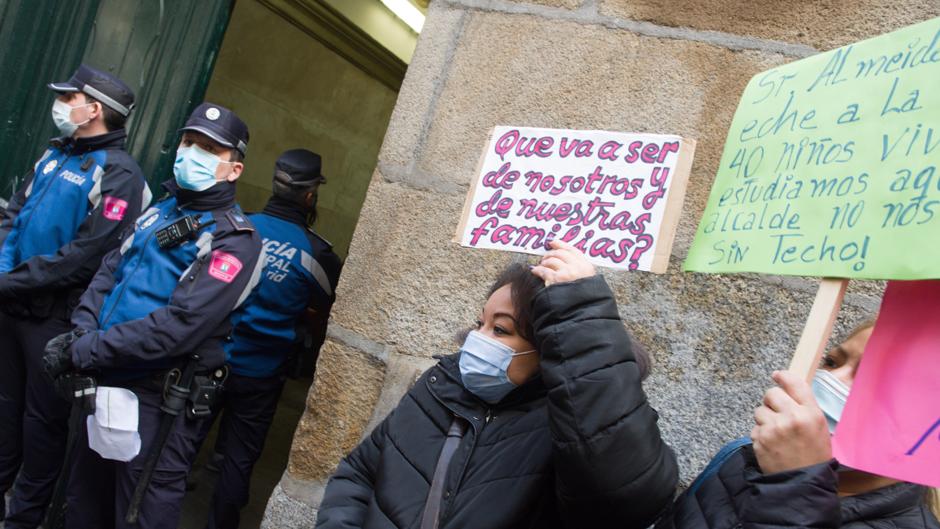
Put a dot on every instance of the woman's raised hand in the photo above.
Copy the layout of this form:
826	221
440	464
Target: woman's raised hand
791	430
563	263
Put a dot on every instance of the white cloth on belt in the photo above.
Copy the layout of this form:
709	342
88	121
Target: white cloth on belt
112	430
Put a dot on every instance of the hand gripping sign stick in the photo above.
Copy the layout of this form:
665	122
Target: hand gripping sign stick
175	396
818	328
82	390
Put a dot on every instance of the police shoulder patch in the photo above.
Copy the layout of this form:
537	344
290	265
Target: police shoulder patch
224	266
239	220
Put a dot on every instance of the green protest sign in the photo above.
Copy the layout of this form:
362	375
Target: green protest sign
830	167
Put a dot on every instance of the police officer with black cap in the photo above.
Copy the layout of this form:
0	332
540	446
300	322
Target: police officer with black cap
151	326
68	213
297	285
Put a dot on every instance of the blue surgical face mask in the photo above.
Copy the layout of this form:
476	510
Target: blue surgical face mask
483	365
195	168
831	394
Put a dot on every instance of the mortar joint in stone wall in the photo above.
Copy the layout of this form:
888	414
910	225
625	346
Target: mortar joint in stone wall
408	176
438	88
589	15
354	340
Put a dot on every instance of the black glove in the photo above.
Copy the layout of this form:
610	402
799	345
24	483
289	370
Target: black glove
58	359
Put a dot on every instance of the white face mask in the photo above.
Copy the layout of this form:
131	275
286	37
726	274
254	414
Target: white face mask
62	117
831	395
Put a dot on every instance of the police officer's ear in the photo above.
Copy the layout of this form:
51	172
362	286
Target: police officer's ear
236	166
310	199
96	110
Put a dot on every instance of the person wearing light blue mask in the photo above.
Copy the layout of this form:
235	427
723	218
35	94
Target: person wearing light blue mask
161	305
539	420
786	476
200	165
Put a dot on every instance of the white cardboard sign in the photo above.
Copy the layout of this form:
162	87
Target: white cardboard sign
616	196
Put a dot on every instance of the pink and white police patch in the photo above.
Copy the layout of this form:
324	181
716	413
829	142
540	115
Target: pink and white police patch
224	267
114	208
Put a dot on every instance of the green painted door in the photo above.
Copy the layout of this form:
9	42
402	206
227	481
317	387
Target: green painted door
163	49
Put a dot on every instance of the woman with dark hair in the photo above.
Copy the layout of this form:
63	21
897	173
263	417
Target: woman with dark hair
784	475
539	421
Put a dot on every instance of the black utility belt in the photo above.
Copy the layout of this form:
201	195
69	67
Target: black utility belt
195	397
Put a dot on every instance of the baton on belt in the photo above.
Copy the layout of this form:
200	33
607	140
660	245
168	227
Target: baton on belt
175	395
83	391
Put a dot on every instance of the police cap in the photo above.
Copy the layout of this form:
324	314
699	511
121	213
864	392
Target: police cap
220	124
301	167
104	87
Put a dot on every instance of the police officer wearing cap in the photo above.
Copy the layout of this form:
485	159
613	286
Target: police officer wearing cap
67	214
298	284
153	319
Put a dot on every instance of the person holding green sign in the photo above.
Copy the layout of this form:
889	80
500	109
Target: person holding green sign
784	474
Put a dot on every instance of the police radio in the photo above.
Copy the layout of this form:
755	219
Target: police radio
182	230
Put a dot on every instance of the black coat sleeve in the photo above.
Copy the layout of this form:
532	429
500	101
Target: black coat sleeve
612	467
350	489
74	264
199	304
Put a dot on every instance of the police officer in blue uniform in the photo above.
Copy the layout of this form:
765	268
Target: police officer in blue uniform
300	275
158	309
69	212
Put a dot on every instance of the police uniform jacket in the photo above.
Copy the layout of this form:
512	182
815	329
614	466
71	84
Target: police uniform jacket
68	213
576	447
148	307
300	271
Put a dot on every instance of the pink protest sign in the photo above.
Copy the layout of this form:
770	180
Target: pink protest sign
616	196
891	422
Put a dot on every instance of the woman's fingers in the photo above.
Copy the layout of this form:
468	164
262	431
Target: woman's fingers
552	262
763	415
545	274
795	386
569	263
777	400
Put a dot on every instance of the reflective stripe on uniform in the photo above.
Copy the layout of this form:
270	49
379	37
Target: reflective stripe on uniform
317	271
94	196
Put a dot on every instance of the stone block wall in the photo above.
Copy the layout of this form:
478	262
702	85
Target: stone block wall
658	66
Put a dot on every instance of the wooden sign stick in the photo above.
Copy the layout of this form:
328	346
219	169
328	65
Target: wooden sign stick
818	327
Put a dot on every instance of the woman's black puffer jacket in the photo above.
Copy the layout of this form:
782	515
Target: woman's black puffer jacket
576	447
740	496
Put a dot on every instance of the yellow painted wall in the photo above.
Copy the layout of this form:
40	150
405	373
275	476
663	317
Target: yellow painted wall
293	92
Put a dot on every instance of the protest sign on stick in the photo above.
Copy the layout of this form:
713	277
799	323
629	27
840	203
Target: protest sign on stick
891	422
615	196
830	167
